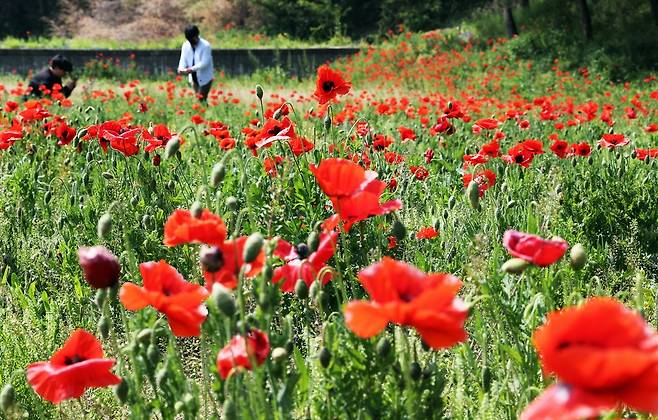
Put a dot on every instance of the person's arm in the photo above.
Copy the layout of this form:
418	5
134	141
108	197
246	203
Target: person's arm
68	89
206	57
182	63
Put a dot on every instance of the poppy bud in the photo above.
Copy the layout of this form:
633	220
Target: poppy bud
511	204
196	209
146	221
153	354
217	174
325	357
161	376
100	268
145	335
327	122
383	347
259	91
399	230
268	272
7	397
301	289
514	266
279	354
223	299
415	371
451	202
252	247
229	411
231	203
578	256
313	241
104	327
135	200
486	379
445	214
172	147
104	225
121	391
179	406
473	195
107	175
315	288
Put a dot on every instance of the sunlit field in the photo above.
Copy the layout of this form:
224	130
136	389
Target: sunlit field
429	229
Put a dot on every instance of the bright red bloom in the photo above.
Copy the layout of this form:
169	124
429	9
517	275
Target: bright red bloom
652	128
124	142
78	365
560	148
354	192
329	84
487	123
168	292
642	154
477	159
427	233
490	150
299	145
580	149
274	130
611	141
9	137
420	173
533	146
404	295
303	267
240	353
406	133
604	356
159	139
11	106
520	155
485	180
532	248
231	256
181	228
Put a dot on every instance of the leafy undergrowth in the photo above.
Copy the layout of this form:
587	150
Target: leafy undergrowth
425	112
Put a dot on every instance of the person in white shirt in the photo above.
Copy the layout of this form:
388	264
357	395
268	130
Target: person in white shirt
196	61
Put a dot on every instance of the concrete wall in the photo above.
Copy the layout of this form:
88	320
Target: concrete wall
295	61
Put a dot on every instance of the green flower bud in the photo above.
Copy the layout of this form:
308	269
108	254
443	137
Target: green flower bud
578	256
104	225
172	147
104	327
153	354
229	410
383	347
415	371
223	299
161	376
145	335
279	354
515	266
399	230
473	195
313	241
259	91
327	122
232	203
301	289
451	202
196	209
316	287
179	406
217	175
252	247
99	298
7	397
121	391
486	379
325	357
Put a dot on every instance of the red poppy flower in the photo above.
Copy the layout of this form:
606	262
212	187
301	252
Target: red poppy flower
487	123
78	365
604	356
124	142
240	353
429	156
580	149
353	191
652	128
427	233
230	259
274	130
100	267
420	173
404	295
166	290
159	139
477	159
560	148
392	242
329	84
299	145
532	248
611	141
533	146
181	228
9	137
520	155
642	154
485	180
490	150
301	266
406	133
11	106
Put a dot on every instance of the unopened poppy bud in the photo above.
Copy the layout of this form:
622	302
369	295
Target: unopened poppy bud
415	371
223	299
399	230
100	268
7	397
153	354
473	194
279	354
578	256
107	175
189	401
135	200
383	347
486	379
327	122
511	204
104	327
172	147
259	91
277	114
301	289
217	175
161	376
179	406
231	203
303	250
313	241
451	202
121	391
145	335
156	160
99	298
325	357
196	209
252	247
315	288
268	272
104	225
514	266
229	411
445	214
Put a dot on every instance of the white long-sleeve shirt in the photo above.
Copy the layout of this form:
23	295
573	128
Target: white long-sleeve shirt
199	59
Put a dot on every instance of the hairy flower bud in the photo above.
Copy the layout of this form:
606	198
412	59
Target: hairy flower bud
104	225
217	175
100	268
514	266
578	256
252	247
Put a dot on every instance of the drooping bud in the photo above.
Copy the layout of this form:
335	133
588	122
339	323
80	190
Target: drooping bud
217	175
325	357
514	266
252	247
231	203
578	256
100	268
473	195
223	299
451	202
196	209
145	335
313	241
279	354
104	225
327	122
7	397
172	147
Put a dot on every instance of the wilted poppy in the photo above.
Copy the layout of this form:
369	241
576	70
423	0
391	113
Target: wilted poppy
166	290
404	295
240	353
78	365
532	248
182	227
604	356
329	84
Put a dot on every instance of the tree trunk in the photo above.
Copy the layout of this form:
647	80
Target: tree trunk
586	19
654	11
510	24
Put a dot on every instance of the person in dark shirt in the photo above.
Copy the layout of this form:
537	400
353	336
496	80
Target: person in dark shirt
58	67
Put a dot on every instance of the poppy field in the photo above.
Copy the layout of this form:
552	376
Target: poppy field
433	228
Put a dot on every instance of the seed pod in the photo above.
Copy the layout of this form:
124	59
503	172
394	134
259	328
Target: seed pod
383	347
172	147
259	91
279	354
473	195
7	397
104	327
313	241
104	225
415	371
223	299
217	175
196	209
211	258
514	266
578	256
399	230
301	289
121	391
325	357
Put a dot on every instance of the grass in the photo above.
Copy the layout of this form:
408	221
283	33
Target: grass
51	198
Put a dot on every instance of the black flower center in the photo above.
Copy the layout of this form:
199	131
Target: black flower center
71	360
302	250
274	130
211	258
328	85
518	158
